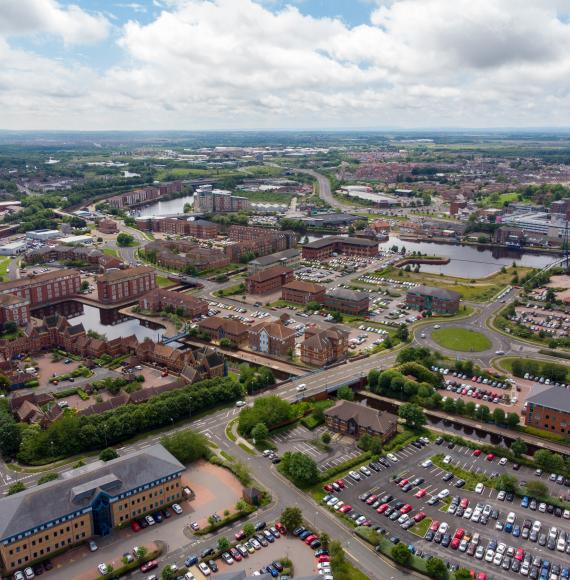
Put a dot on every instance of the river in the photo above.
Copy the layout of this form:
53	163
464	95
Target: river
108	322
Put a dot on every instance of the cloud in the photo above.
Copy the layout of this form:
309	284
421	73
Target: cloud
72	24
240	64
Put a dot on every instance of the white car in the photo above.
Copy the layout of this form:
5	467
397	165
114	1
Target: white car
436	326
332	501
392	457
301	387
176	508
561	544
480	552
150	520
427	463
498	559
525	568
511	518
447	459
92	546
355	475
479	488
241	403
501	548
503	461
204	568
536	526
103	569
366	471
443	493
338	505
502	495
468	513
489	555
443	527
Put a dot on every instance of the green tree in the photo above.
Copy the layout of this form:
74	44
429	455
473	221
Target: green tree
292	517
187	446
403	333
462	574
124	239
346	393
168	573
449	405
499	416
10	327
326	437
506	482
376	445
364	441
248	529
412	415
542	459
140	552
512	420
260	432
16	488
223	544
325	541
108	454
300	468
401	555
84	286
519	447
48	477
537	489
437	569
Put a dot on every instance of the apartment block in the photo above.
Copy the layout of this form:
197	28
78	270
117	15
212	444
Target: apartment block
287	258
144	195
279	240
210	200
159	299
117	287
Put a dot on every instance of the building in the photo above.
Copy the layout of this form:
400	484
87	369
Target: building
13	249
184	304
330	220
82	240
198	228
209	200
272	338
88	502
144	195
324	248
217	328
277	240
86	257
269	280
184	254
123	285
107	226
347	301
356	419
301	292
324	347
431	299
14	309
287	258
548	408
43	235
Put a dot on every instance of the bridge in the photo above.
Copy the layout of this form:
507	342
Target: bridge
182	334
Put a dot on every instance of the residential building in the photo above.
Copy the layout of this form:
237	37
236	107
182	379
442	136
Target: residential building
107	226
182	254
431	299
324	248
301	292
144	195
356	419
14	309
272	338
548	408
87	257
89	502
209	200
287	258
217	328
278	240
186	305
124	285
269	280
347	301
324	347
179	226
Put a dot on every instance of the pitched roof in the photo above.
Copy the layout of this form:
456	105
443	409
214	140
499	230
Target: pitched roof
365	417
440	293
323	340
303	286
346	294
42	504
23	282
274	329
274	258
324	242
125	274
556	398
269	273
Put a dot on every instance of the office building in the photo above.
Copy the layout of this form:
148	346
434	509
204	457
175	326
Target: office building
347	301
431	299
324	248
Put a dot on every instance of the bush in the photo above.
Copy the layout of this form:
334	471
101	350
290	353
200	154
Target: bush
108	454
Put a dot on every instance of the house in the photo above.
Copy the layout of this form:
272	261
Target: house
356	419
272	338
432	299
323	347
217	328
347	301
301	292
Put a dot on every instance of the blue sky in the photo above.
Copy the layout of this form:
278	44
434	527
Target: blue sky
254	64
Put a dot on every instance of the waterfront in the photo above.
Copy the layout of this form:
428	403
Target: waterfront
161	208
110	322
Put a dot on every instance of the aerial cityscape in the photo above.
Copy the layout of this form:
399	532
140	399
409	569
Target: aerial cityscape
284	290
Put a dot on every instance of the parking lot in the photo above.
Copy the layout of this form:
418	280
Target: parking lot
430	485
301	439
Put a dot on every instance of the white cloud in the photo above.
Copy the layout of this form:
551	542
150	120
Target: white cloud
72	24
236	63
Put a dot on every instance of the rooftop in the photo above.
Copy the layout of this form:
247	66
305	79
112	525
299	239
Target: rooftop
365	417
440	293
269	273
23	282
273	258
125	274
303	286
324	242
346	294
556	398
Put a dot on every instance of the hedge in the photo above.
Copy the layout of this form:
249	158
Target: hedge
341	467
226	521
131	565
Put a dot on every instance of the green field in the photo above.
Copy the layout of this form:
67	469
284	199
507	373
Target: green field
461	339
506	363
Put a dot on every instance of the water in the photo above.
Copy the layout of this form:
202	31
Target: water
160	208
108	322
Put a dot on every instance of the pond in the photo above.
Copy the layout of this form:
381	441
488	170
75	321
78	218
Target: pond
108	322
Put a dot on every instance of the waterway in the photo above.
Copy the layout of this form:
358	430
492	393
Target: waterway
161	208
109	322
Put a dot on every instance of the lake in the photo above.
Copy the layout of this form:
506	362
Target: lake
161	208
108	322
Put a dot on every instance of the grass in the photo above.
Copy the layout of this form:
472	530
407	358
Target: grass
461	339
445	503
229	434
354	573
227	456
506	364
4	265
421	528
111	252
247	448
163	281
231	291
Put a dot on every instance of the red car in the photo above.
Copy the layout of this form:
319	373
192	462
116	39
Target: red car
310	539
490	457
481	576
328	487
281	528
477	452
434	526
519	555
464	502
340	482
382	508
404	482
419	516
406	508
135	526
150	565
239	535
345	509
420	493
324	558
371	499
459	534
455	543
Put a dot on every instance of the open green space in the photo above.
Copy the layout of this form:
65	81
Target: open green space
163	281
421	528
461	339
4	265
506	364
231	290
111	252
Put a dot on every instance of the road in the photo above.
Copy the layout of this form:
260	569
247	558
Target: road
324	188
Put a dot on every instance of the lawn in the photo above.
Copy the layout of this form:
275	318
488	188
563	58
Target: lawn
461	339
162	281
4	264
421	528
506	364
111	252
231	290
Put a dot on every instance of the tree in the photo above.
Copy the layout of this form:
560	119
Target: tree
167	573
506	482
223	544
300	468
10	327
48	477
403	333
537	489
325	540
326	437
124	239
16	488
346	393
376	445
512	420
519	447
462	574
260	432
187	446
412	415
364	441
84	286
140	552
108	454
499	416
437	569
248	529
401	555
449	405
292	517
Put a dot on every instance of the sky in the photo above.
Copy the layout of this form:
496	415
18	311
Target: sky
284	64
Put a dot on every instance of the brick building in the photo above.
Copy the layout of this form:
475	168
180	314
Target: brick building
287	258
269	280
46	519
356	419
180	227
433	299
548	408
323	347
14	309
301	292
107	226
117	287
279	240
272	338
90	257
209	200
347	301
217	328
144	194
158	299
181	254
324	248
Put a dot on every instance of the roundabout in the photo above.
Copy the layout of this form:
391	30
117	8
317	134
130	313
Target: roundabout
461	339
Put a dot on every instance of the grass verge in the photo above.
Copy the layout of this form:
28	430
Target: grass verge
421	528
461	339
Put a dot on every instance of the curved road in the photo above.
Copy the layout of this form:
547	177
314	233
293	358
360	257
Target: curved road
324	188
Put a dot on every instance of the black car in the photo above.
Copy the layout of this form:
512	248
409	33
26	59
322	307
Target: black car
417	444
394	539
451	445
260	526
277	566
398	504
549	508
484	519
448	476
407	487
446	540
516	467
460	483
389	511
510	496
516	566
276	460
439	441
212	565
429	536
386	498
315	544
374	466
298	531
207	552
437	537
